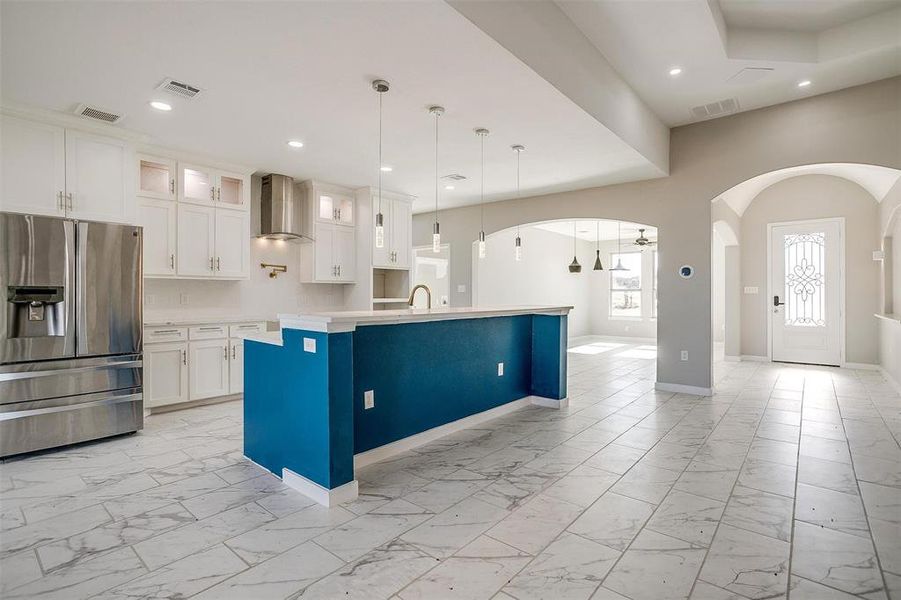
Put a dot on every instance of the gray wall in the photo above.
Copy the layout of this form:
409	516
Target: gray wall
860	124
815	197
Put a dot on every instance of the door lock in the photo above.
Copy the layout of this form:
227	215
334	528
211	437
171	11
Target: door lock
776	302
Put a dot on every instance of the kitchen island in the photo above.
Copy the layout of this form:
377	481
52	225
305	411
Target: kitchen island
332	391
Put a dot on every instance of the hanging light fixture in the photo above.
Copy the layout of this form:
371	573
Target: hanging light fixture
574	266
517	244
381	86
597	258
483	252
436	111
619	244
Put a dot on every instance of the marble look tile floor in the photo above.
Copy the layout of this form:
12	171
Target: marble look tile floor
786	483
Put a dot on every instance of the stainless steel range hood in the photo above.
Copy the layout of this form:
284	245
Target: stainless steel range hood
280	214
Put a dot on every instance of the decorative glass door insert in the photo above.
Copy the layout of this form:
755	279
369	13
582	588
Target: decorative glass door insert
805	279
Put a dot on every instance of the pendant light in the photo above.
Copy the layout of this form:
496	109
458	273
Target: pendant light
574	266
436	111
517	244
381	86
483	252
597	259
619	244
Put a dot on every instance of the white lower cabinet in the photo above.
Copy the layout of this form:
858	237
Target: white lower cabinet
209	368
209	364
165	373
236	367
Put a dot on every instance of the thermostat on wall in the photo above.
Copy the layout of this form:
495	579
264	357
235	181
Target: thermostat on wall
686	271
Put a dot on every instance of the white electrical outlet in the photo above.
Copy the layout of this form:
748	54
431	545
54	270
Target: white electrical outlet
369	399
183	299
461	289
684	355
309	345
500	369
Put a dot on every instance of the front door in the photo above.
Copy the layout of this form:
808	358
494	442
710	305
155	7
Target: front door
805	292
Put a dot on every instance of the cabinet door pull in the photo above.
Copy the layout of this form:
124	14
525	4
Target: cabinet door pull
184	357
171	261
71	200
218	194
339	270
211	263
216	328
212	193
218	267
233	352
172	186
339	214
59	201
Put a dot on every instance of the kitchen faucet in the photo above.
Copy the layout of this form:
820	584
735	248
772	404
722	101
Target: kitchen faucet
428	294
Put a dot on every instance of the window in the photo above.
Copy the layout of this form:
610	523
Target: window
625	286
656	268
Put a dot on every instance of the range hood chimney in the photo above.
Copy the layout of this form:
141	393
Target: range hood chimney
279	215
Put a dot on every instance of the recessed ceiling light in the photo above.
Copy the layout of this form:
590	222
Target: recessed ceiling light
295	144
804	83
675	71
448	187
387	169
161	105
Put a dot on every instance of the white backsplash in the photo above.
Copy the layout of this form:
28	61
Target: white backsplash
260	296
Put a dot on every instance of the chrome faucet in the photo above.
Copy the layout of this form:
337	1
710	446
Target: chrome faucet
428	294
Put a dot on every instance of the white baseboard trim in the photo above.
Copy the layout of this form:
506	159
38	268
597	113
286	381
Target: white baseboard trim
324	496
862	366
549	402
755	358
430	435
683	389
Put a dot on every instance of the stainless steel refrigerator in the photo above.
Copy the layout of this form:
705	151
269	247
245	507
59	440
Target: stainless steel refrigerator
70	331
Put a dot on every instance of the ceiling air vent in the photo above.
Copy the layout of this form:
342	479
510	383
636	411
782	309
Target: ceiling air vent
715	109
177	88
454	177
98	114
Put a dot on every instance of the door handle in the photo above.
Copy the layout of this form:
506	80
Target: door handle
776	301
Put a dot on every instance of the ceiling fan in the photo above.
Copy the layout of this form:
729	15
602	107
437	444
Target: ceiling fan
643	241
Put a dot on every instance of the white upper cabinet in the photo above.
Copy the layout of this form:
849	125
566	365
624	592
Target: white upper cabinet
99	178
331	258
344	254
327	203
32	167
158	218
156	177
398	223
232	243
196	240
196	184
211	187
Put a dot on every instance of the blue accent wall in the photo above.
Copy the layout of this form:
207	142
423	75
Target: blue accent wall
297	406
428	374
304	411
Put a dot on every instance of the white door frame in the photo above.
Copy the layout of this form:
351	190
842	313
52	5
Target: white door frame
771	290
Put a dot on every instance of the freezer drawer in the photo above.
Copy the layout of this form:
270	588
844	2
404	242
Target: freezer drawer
61	378
30	426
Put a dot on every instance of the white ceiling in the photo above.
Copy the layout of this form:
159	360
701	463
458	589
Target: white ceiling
833	43
274	71
799	15
589	229
876	180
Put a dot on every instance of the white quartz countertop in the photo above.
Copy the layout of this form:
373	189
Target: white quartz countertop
348	320
163	319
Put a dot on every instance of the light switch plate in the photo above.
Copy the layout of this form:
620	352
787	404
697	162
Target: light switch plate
684	355
500	369
369	399
183	299
751	289
461	289
309	345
